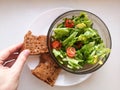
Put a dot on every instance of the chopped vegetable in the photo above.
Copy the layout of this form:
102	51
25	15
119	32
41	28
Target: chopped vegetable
60	33
69	41
71	52
56	44
69	23
81	25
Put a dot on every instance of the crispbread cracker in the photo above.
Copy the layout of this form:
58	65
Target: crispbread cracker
47	70
36	44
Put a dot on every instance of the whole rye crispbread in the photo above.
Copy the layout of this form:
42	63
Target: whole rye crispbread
47	70
36	44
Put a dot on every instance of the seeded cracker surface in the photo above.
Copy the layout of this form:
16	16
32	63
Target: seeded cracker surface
36	44
47	70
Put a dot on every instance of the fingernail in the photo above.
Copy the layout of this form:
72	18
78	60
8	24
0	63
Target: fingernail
26	52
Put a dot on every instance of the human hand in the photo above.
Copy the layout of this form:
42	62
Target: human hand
11	65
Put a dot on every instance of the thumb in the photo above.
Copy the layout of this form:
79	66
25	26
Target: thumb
18	65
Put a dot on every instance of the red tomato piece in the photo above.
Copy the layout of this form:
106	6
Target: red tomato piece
69	23
56	44
71	52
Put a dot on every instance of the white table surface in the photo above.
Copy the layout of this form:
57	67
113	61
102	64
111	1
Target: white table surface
17	15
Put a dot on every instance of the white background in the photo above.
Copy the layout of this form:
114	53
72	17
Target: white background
17	15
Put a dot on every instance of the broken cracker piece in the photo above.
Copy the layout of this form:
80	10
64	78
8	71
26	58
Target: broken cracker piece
47	70
36	44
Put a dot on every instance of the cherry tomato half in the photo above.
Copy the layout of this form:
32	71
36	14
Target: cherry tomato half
71	52
56	44
69	23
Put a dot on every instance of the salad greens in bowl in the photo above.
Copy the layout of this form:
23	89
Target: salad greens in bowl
79	41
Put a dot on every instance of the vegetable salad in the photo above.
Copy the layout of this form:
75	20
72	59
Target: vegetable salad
75	42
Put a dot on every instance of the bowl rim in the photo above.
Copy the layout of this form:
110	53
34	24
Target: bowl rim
96	67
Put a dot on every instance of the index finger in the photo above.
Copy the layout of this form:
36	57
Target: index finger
6	52
19	63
